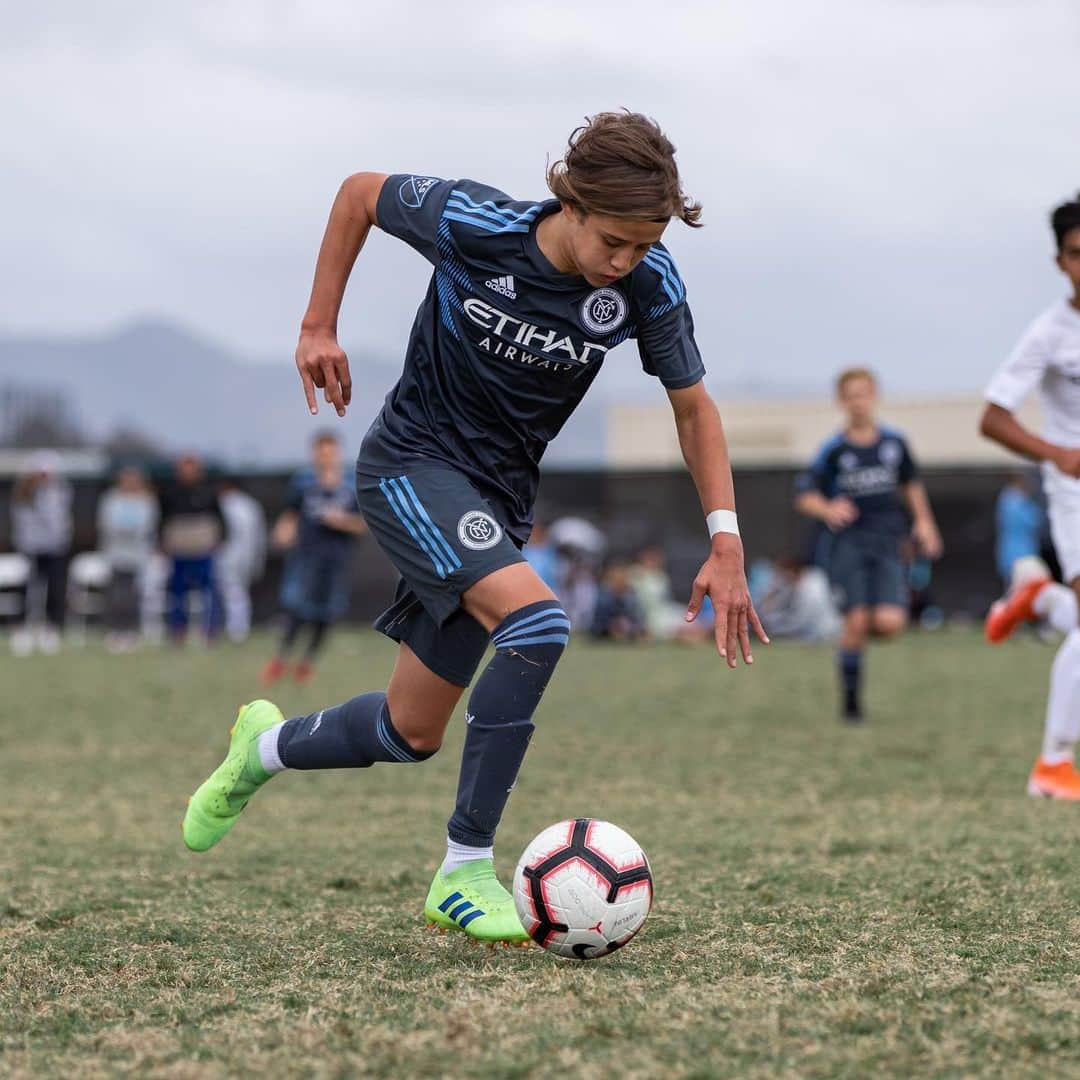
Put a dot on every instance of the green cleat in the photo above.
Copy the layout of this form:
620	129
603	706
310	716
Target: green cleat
213	809
471	899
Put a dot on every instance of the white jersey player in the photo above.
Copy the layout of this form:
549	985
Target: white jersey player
1048	358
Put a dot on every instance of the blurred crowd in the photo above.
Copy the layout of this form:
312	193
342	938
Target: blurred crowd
185	553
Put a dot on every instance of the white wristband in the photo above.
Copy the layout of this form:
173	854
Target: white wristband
722	521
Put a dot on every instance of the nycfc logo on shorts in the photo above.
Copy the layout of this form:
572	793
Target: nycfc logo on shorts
603	311
478	530
413	190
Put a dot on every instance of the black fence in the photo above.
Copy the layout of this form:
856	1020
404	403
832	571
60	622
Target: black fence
638	508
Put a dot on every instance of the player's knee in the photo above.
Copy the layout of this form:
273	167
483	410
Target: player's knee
857	622
889	623
426	743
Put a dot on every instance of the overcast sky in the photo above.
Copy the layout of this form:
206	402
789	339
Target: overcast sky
875	173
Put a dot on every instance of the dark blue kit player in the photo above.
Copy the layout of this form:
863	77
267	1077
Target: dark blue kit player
526	300
863	485
316	530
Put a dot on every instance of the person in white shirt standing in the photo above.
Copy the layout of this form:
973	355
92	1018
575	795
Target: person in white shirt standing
1048	357
241	559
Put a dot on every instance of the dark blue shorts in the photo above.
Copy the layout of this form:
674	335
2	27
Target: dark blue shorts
443	537
866	570
315	586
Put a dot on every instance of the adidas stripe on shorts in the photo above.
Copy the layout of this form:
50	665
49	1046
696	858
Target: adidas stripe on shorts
442	536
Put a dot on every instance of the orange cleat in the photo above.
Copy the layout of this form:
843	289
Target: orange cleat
1006	615
303	673
1060	781
273	671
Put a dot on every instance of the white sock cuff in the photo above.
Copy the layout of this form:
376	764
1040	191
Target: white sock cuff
458	855
268	750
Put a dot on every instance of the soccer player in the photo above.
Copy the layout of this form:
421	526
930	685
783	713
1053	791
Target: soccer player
1048	356
316	528
526	300
859	486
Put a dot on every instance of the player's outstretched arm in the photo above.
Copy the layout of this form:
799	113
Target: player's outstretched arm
319	359
722	577
1000	425
836	513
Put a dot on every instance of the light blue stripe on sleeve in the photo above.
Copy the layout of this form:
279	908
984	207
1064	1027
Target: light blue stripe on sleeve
487	225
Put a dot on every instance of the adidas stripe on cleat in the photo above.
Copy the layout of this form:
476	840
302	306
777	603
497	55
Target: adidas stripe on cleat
472	900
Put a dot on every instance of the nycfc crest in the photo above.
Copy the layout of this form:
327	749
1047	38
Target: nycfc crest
478	530
603	311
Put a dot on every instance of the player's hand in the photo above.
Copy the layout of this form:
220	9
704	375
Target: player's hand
723	580
1068	461
840	513
928	539
334	517
322	363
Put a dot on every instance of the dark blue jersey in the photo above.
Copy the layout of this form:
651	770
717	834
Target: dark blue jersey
311	500
870	476
504	346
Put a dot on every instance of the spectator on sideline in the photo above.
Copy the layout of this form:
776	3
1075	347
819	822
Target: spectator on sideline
541	555
1020	522
317	528
242	557
41	530
618	615
127	521
652	587
798	602
192	530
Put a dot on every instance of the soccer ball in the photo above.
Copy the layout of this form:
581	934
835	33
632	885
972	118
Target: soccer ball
583	888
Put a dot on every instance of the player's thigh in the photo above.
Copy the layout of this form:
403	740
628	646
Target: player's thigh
848	575
502	592
420	702
857	622
1063	512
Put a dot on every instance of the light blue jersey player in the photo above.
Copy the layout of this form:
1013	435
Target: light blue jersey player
527	299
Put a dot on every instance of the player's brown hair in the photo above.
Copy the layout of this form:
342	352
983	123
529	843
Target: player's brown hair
621	164
852	373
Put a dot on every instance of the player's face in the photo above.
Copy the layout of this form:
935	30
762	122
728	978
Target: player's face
327	454
605	249
1069	258
858	398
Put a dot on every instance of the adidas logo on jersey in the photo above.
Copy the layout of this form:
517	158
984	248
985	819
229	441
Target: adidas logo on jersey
503	285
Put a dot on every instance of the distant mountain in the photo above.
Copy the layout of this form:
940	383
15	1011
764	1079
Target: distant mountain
184	391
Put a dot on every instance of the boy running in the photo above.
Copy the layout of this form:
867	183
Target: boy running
525	301
317	528
1048	356
858	485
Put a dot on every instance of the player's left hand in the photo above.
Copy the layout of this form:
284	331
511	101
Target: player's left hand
928	539
723	579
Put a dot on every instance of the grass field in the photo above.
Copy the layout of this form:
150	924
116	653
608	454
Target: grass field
829	902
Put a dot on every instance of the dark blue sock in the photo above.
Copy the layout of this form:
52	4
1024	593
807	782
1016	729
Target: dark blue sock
850	671
349	736
528	645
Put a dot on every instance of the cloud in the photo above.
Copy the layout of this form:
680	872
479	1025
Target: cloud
875	174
